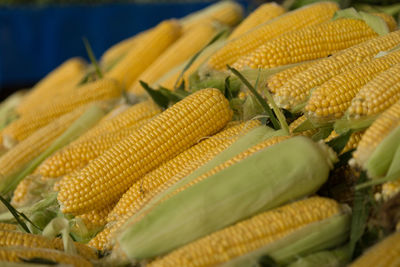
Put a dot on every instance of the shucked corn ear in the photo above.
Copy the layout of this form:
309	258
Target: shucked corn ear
92	144
8	226
224	12
376	96
50	84
110	175
279	173
316	41
145	53
247	43
209	147
22	254
295	91
385	253
36	143
330	100
382	127
183	49
97	218
104	89
262	14
251	234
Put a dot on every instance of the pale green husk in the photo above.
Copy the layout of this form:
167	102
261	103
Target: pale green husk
327	258
379	162
309	239
267	179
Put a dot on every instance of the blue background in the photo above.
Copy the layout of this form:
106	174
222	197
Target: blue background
34	40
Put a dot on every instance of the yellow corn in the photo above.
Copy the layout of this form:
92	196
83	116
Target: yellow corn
116	52
131	200
297	89
28	191
251	234
390	189
277	80
224	12
383	254
377	95
373	136
352	143
18	156
106	178
330	100
19	254
183	49
8	226
95	219
105	89
297	123
247	43
81	249
316	41
390	21
45	89
145	53
262	14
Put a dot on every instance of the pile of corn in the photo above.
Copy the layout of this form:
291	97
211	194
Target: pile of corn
161	154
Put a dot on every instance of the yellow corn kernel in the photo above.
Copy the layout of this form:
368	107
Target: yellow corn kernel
96	219
145	53
81	249
293	47
330	100
373	136
14	238
18	156
262	14
377	95
183	49
49	86
28	191
279	79
247	43
131	200
249	235
297	123
383	254
106	178
352	143
105	89
297	89
19	254
390	189
224	12
8	226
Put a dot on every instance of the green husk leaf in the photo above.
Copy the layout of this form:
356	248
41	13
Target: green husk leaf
268	184
158	97
305	126
346	124
339	142
58	226
92	58
251	108
379	162
322	133
375	22
314	237
91	116
7	108
332	258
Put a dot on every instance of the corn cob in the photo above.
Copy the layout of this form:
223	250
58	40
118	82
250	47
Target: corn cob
18	156
161	139
385	253
125	119
296	90
330	100
382	126
297	123
26	191
247	43
20	254
96	219
48	86
377	95
131	200
279	79
78	154
293	47
145	53
101	90
251	234
262	14
226	12
183	49
81	249
8	226
116	52
352	143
